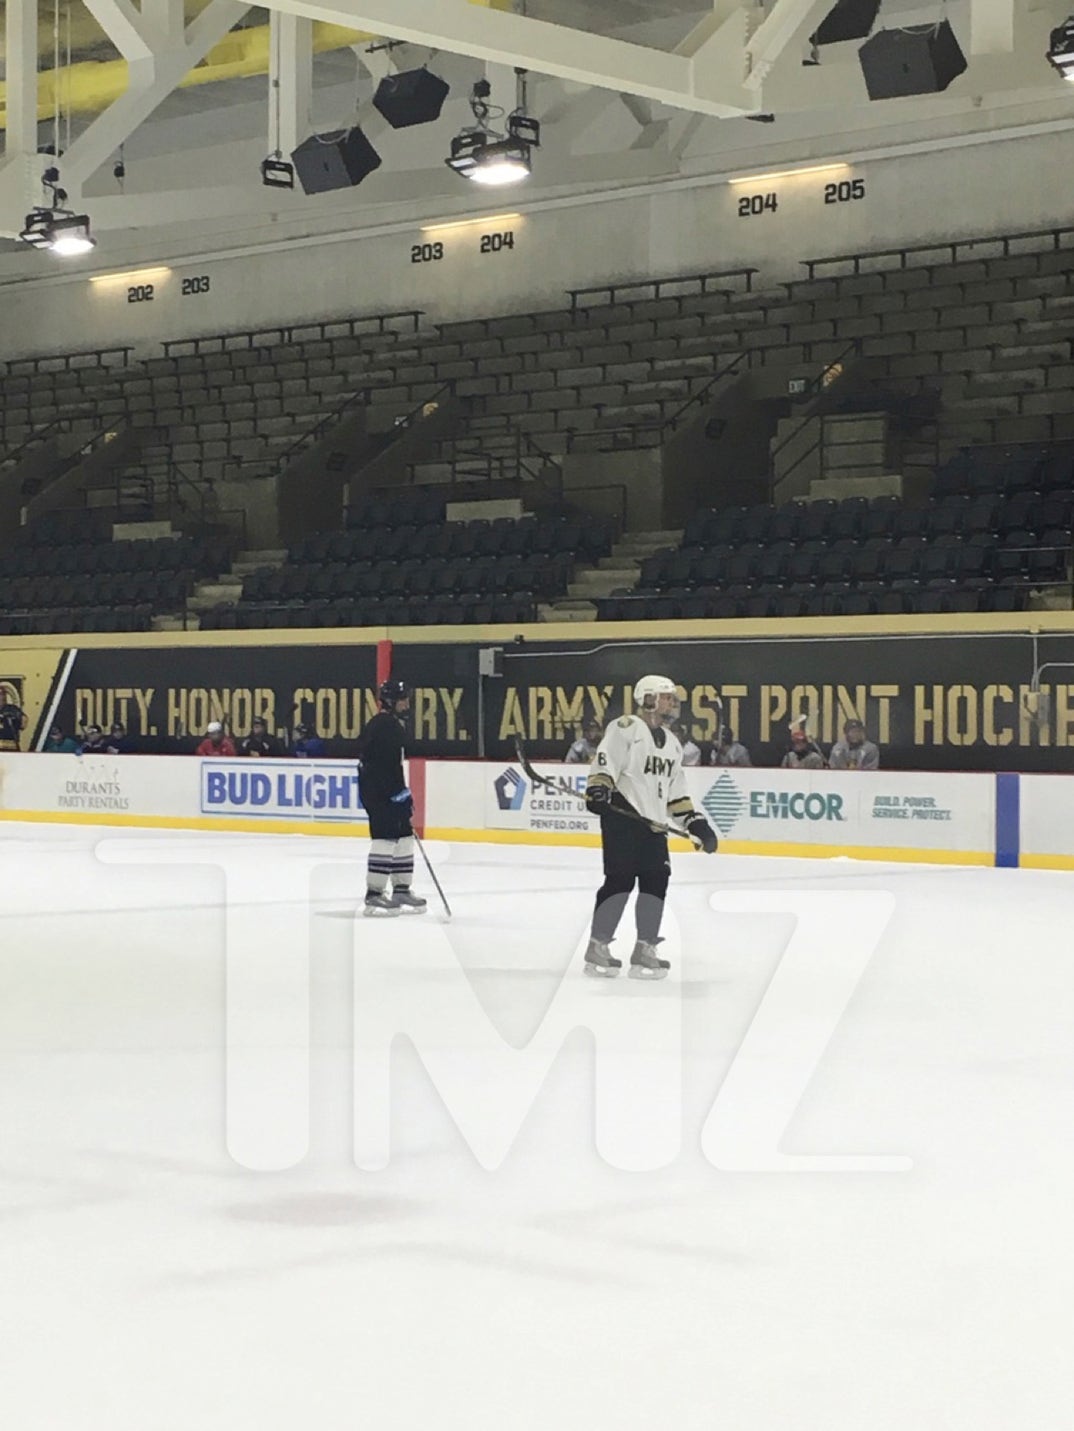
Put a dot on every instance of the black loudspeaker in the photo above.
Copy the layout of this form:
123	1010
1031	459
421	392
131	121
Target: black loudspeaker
923	60
849	20
334	162
416	97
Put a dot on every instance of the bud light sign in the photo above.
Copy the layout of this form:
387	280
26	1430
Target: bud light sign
281	790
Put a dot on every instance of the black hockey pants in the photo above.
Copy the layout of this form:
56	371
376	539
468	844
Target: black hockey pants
633	854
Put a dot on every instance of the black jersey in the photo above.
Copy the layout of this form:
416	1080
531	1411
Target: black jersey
260	745
380	749
12	721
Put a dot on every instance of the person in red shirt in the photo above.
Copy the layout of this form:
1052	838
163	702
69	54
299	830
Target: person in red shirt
216	742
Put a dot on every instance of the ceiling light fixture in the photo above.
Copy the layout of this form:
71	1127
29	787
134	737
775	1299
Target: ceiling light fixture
1060	51
59	231
486	156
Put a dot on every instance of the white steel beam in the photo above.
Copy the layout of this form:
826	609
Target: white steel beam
290	81
787	19
151	81
20	168
164	21
991	27
123	25
504	38
20	41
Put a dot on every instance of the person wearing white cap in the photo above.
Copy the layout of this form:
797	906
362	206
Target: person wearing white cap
216	742
635	782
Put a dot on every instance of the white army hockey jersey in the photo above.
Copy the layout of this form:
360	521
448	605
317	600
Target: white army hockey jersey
647	774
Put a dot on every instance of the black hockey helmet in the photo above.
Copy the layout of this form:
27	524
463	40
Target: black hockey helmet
392	691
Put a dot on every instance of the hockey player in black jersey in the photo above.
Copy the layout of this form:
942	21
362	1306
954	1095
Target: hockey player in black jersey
389	806
638	769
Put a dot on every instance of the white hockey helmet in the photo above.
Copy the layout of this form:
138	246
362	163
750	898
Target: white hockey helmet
653	686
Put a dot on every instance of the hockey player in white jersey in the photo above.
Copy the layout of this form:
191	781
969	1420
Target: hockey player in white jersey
637	772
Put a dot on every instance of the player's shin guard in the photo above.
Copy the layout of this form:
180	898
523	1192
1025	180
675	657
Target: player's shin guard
648	914
402	863
380	865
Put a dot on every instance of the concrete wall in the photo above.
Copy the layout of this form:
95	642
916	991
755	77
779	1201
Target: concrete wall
677	226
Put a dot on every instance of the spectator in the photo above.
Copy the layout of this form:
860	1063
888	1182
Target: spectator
56	743
92	741
691	753
804	752
12	720
216	742
855	751
259	742
583	750
307	746
118	742
729	751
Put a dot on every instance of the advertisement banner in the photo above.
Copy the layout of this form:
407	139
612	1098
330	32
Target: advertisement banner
827	811
181	792
971	701
281	790
513	803
848	811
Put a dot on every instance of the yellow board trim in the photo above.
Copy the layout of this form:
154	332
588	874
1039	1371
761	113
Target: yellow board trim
236	825
225	824
599	633
1045	862
889	854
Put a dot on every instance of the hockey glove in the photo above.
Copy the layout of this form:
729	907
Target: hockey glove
598	798
702	833
400	796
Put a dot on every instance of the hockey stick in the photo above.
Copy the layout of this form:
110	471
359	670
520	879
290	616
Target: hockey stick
543	782
432	876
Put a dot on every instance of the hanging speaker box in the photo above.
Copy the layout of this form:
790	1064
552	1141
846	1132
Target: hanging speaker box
324	163
924	60
416	97
849	20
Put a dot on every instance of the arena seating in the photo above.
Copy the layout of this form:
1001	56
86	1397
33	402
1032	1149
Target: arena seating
94	584
999	528
440	573
981	326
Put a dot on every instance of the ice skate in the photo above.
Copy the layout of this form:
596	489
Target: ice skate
407	902
644	963
379	906
600	961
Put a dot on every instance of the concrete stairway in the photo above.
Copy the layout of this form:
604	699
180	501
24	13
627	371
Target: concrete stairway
228	585
619	571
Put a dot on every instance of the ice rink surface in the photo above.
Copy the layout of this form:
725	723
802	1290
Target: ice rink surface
150	1281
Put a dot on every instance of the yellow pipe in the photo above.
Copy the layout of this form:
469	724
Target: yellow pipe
90	86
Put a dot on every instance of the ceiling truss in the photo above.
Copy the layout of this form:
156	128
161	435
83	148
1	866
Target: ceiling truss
736	61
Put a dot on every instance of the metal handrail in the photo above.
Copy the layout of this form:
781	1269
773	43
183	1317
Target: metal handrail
13	365
813	390
285	333
670	423
330	419
273	466
949	246
38	434
657	283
